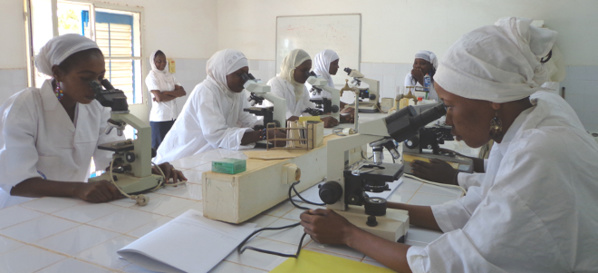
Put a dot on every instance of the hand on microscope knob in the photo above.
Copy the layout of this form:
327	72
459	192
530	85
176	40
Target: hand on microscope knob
171	174
326	226
436	170
97	192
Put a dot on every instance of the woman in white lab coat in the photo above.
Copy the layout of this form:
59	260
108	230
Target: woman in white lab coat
165	90
50	134
213	115
425	63
536	209
290	85
326	63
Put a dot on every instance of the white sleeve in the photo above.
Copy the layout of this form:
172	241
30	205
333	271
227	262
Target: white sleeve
305	103
408	82
18	153
454	215
278	88
214	127
151	82
467	180
247	119
452	252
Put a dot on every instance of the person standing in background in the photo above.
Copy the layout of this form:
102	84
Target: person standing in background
164	89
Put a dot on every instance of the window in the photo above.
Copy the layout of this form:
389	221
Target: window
116	32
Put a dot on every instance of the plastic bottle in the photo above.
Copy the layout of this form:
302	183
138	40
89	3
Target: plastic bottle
427	84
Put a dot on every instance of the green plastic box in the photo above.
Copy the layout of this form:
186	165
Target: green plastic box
229	165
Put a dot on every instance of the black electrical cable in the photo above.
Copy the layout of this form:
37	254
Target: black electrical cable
301	197
242	249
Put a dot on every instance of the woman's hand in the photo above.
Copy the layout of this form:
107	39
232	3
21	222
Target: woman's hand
277	134
326	226
329	122
97	192
171	174
437	170
418	75
347	115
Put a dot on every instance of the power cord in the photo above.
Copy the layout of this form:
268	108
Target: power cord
241	248
292	187
142	199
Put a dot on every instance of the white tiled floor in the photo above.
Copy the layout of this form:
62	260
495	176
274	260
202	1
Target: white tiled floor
67	235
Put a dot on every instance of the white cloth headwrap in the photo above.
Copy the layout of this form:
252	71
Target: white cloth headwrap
153	63
322	62
498	63
287	69
222	63
428	56
59	48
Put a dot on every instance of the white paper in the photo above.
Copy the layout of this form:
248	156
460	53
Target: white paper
188	243
312	194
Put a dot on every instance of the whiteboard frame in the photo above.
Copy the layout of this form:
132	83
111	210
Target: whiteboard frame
347	60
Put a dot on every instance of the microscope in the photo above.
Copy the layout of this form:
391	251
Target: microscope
324	105
131	167
349	180
369	91
425	145
259	92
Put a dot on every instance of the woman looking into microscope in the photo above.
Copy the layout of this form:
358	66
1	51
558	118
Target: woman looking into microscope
50	134
536	209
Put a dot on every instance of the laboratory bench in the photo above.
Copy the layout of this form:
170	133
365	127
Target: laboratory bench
69	235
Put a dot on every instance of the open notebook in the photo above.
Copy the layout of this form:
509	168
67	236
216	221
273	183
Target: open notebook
188	243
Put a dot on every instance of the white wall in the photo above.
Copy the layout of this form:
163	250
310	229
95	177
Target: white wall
393	30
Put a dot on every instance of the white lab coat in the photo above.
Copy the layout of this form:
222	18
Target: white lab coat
536	210
467	180
285	90
39	140
211	118
166	110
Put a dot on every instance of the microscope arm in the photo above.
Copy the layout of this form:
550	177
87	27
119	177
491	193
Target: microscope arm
142	165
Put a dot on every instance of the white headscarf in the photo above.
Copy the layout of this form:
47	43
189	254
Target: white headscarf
429	56
222	63
322	62
59	48
498	63
153	63
287	69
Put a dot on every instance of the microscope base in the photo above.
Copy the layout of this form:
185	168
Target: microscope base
131	184
392	226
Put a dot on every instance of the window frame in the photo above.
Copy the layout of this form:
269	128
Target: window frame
94	6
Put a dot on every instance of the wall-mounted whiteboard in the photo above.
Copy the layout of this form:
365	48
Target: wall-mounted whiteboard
314	33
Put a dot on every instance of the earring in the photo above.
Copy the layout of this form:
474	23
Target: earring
496	128
58	91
